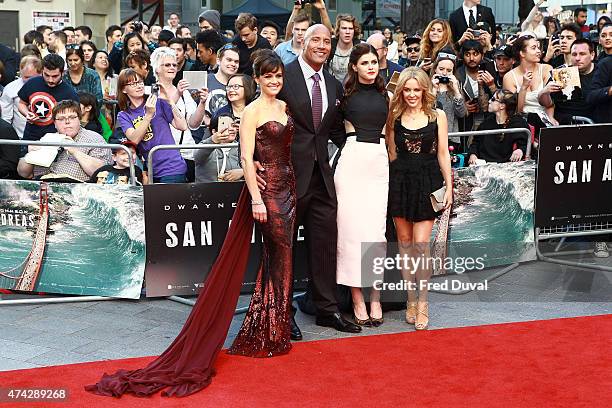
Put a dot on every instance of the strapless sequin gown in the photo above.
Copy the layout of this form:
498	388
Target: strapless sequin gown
186	366
265	331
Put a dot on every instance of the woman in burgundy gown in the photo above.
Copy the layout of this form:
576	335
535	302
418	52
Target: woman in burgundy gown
187	364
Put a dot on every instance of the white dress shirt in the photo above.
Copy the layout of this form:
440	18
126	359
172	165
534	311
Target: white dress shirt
9	106
308	73
466	13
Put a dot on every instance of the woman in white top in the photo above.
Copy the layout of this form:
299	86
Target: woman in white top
528	79
392	46
164	64
535	22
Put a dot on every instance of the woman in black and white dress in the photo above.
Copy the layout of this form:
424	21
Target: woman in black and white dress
362	182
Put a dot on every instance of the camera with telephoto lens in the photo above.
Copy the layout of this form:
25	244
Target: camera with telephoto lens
443	79
137	26
302	3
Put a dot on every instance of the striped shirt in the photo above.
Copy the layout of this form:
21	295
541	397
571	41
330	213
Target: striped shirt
67	164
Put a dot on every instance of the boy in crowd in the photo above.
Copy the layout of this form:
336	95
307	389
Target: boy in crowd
119	171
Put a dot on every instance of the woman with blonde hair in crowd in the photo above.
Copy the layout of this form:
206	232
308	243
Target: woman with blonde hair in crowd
437	35
164	66
535	22
417	140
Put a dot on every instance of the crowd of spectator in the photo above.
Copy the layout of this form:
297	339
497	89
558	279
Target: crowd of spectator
131	89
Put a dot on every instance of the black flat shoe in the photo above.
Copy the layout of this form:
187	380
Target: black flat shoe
338	322
367	322
296	333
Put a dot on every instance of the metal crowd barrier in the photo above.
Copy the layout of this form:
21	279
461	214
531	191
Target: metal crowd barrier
68	144
150	169
181	147
527	133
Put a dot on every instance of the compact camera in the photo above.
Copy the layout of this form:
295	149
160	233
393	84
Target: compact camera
155	89
301	3
443	79
137	26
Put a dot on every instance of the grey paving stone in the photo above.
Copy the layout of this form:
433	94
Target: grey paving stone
59	342
57	357
165	315
10	364
58	324
18	332
20	351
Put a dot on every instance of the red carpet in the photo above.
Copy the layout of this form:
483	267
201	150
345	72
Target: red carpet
552	363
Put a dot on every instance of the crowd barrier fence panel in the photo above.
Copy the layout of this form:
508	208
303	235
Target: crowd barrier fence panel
70	144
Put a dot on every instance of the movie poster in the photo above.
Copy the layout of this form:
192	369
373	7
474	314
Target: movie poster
186	226
575	177
79	239
493	213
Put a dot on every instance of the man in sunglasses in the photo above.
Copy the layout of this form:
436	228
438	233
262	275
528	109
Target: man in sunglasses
412	49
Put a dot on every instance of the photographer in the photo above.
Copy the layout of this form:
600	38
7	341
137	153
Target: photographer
559	46
148	124
133	39
464	20
448	93
477	83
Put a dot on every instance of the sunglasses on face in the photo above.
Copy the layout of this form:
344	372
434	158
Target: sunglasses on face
413	49
170	64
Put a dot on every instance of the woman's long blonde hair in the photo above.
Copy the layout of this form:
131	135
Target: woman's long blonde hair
428	49
399	105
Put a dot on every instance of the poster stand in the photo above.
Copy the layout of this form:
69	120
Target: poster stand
548	227
570	231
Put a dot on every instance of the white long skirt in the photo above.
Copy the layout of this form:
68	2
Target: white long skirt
362	185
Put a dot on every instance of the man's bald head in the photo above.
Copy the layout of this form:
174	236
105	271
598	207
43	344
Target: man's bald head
318	29
317	46
378	41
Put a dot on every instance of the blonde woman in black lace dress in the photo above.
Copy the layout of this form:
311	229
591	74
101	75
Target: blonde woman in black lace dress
417	140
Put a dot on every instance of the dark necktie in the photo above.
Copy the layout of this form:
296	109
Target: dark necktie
317	101
472	20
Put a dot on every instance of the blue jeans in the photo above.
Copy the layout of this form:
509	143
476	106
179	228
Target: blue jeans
172	178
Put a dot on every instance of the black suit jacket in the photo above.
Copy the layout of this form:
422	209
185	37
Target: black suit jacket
459	25
310	143
598	96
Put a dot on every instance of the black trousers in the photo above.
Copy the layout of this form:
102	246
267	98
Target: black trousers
316	211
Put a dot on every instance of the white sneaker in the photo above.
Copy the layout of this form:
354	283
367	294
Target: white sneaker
601	250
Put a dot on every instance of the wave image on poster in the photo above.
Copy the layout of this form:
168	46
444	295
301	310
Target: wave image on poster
494	207
80	239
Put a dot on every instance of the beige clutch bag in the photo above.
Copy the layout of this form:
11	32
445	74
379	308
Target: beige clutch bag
437	199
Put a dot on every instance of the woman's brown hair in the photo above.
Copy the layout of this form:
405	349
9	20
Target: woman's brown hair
428	49
352	80
125	77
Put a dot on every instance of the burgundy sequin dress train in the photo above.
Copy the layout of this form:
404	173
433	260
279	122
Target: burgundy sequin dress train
186	366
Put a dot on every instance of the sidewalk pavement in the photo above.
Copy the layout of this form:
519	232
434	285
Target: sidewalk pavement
53	334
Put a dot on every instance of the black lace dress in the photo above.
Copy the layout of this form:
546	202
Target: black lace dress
415	174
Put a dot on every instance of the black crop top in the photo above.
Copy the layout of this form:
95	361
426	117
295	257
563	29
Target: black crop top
367	110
